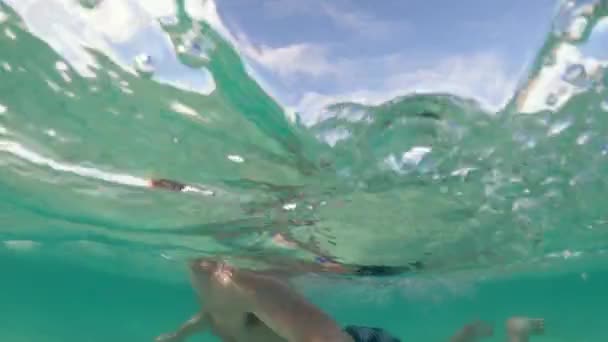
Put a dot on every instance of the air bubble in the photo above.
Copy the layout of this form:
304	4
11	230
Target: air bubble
604	105
235	158
577	28
551	100
576	75
549	60
10	34
290	206
144	64
193	54
169	20
582	139
559	127
61	66
194	49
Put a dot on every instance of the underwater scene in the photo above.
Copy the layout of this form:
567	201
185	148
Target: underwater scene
288	170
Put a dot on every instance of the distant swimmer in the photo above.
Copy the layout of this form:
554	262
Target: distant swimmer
519	329
241	305
326	263
171	185
167	184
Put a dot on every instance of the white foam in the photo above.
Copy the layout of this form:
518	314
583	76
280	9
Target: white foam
415	155
290	206
21	245
2	109
182	108
235	158
10	33
51	133
203	192
18	150
61	66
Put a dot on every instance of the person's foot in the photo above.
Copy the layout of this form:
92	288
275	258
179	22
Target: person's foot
473	331
171	337
520	329
479	329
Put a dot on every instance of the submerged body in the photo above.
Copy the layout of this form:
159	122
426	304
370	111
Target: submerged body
240	305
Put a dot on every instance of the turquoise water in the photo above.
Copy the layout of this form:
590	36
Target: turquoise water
486	213
51	301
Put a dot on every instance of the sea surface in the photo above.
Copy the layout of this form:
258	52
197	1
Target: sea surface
476	213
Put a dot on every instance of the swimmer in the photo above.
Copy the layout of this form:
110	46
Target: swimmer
322	261
240	305
519	329
326	263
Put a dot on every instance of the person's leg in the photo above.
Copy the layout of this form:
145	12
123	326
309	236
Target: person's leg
197	323
472	332
519	329
279	307
246	297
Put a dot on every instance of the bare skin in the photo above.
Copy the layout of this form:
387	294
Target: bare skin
473	332
519	329
240	305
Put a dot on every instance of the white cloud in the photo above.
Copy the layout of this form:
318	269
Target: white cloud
482	76
283	8
363	24
68	29
341	13
286	61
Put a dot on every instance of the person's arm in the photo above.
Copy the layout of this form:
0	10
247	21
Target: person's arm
195	324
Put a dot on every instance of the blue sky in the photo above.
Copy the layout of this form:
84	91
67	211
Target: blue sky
315	51
311	53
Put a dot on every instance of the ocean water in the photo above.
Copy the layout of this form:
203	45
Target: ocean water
481	213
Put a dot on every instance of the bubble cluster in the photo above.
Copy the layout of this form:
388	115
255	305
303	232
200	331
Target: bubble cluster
551	99
576	75
144	64
194	48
